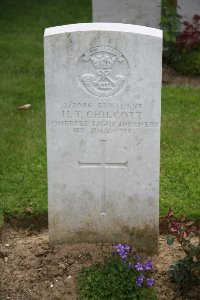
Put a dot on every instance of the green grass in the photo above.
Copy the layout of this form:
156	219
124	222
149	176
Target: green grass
23	180
180	151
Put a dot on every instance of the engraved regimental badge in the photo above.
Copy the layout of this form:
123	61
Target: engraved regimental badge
103	71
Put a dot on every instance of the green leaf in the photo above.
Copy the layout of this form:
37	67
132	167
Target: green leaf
170	240
196	266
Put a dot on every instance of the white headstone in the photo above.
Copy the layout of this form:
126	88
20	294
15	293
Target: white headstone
140	12
103	84
188	8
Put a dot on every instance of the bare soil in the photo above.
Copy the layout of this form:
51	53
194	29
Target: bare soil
31	269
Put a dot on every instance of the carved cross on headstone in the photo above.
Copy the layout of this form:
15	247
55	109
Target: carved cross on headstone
103	165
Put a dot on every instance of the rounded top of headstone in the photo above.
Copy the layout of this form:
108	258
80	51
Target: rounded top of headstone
115	27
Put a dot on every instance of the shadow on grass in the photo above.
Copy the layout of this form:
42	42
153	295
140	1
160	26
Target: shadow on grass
40	222
26	221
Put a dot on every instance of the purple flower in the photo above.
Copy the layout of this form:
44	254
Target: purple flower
123	256
150	282
123	251
137	256
140	280
127	248
129	265
139	267
119	247
148	264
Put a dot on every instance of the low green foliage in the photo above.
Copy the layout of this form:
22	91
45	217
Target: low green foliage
185	271
186	61
112	281
170	23
115	279
181	48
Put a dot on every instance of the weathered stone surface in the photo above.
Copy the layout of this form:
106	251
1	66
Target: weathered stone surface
103	84
140	12
187	9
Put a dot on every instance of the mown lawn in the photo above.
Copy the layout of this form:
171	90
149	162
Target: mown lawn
23	180
180	151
